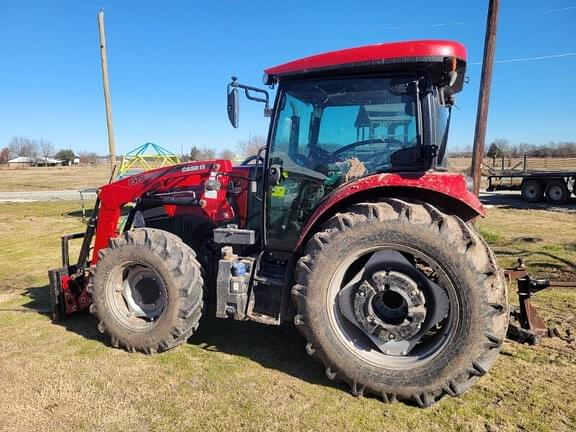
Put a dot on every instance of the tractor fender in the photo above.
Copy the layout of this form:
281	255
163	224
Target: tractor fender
447	191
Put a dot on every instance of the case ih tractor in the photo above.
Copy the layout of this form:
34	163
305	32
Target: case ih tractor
346	223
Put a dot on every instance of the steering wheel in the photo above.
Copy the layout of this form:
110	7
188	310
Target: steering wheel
249	159
365	142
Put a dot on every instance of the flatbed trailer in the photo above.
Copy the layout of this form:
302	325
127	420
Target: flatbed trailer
555	186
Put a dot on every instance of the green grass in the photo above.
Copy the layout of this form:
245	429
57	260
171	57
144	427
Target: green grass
245	376
490	236
545	240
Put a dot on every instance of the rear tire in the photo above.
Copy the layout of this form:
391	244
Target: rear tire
557	193
147	291
532	191
478	302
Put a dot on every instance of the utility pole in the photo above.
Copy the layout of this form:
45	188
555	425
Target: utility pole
484	96
104	61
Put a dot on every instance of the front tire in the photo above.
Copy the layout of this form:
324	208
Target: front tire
147	291
449	356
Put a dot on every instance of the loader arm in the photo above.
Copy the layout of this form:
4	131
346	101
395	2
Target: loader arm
195	188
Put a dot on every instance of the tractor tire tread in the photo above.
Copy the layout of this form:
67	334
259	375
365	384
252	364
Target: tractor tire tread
185	273
458	233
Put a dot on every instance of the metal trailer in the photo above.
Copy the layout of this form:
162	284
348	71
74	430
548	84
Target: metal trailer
555	184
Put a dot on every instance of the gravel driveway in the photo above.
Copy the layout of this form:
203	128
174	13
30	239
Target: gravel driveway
62	195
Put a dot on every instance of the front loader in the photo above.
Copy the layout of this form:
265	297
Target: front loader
346	223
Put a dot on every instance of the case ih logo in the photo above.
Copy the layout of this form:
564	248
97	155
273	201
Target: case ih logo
193	168
134	180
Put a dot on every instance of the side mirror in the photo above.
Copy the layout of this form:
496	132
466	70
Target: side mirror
251	93
233	106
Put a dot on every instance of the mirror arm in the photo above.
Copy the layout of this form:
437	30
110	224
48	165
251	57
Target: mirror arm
247	89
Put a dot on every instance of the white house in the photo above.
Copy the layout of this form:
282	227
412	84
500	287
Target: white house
21	161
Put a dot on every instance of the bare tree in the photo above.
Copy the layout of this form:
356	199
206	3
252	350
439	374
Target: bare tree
4	155
21	146
227	154
195	153
207	154
252	145
46	148
87	158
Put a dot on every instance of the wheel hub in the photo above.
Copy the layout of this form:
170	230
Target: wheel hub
531	191
143	293
390	306
555	192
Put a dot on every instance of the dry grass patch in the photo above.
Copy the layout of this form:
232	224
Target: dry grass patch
53	178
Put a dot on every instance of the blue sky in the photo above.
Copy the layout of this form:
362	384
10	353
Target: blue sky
170	62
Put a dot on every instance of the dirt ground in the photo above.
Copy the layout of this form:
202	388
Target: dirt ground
246	376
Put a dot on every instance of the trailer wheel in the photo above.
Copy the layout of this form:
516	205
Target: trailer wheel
532	191
147	291
557	193
401	301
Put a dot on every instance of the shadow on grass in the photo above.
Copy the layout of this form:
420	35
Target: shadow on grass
280	348
78	213
81	323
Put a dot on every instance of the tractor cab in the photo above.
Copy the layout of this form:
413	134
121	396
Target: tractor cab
349	114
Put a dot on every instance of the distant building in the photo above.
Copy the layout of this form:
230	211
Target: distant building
25	161
21	161
47	162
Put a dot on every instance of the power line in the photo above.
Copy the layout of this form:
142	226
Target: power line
524	59
453	23
533	72
534	32
564	9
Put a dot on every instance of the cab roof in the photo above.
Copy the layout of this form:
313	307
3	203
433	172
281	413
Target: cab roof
377	57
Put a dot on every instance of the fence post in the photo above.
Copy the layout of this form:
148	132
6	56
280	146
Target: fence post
524	162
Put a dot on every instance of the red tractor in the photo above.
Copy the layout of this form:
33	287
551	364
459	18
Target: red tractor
346	223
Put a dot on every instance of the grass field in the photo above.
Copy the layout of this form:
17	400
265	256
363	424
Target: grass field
245	376
53	178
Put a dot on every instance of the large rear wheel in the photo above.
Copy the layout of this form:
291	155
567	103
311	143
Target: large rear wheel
147	291
402	301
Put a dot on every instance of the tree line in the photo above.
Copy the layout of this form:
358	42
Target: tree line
44	149
245	148
503	148
41	149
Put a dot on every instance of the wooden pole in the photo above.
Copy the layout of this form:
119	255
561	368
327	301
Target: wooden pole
104	61
484	96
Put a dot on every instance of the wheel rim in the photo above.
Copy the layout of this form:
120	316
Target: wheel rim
136	295
555	193
399	318
531	191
